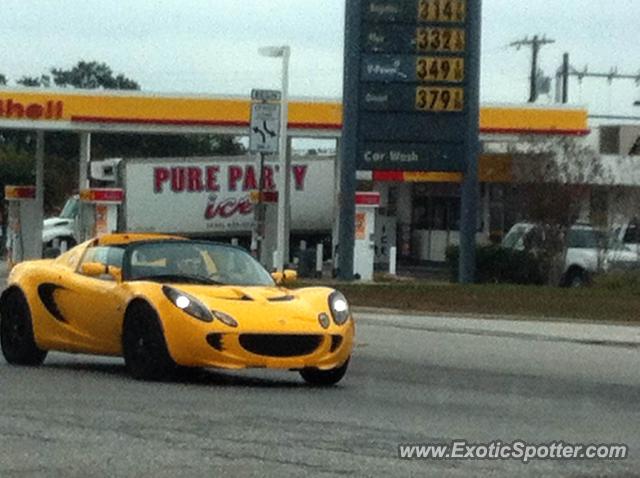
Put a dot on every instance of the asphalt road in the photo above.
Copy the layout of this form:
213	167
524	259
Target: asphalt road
412	380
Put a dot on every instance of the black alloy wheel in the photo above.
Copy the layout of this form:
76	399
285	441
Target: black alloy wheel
16	331
145	350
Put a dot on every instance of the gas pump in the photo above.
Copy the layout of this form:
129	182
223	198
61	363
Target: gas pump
24	240
264	243
99	211
367	204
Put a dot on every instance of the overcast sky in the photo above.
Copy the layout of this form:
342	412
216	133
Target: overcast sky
210	46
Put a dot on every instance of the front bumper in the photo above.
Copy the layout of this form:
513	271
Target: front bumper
214	346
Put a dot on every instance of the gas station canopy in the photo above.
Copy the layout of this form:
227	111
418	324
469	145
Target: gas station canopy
140	112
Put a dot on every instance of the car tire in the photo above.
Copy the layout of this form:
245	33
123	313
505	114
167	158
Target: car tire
71	242
144	347
16	331
577	278
324	378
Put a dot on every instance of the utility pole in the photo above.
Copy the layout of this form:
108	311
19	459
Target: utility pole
565	78
536	43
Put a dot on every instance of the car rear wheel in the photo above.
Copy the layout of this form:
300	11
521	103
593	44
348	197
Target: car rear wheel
324	378
145	350
16	332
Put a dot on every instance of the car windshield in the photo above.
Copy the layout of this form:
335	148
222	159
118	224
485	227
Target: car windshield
514	236
70	209
194	262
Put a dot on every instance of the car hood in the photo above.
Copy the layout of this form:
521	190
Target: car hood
247	303
235	292
56	222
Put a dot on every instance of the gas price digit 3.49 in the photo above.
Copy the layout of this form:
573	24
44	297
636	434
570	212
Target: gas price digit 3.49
429	68
433	98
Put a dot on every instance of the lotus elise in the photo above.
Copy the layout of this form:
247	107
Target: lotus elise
165	302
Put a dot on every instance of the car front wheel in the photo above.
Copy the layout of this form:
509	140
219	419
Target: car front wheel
324	378
16	331
144	347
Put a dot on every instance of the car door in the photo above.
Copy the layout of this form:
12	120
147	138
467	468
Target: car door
93	307
622	257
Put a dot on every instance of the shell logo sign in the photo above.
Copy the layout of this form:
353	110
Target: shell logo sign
11	108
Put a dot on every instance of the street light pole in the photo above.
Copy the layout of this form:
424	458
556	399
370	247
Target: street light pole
282	238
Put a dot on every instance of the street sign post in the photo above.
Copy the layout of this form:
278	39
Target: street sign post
411	100
264	138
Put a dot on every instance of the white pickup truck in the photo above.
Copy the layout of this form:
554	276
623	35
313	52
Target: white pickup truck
60	231
589	251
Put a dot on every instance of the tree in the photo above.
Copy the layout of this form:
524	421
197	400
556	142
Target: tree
554	180
43	81
3	79
62	148
92	75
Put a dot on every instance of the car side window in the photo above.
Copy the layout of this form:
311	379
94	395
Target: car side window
632	235
115	256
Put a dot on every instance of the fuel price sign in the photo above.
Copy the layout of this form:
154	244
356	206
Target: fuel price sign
410	82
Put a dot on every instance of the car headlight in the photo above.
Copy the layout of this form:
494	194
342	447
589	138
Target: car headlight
339	307
188	304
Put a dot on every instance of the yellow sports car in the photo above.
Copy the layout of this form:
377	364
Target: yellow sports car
165	302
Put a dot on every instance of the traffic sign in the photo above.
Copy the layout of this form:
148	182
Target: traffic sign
264	131
266	95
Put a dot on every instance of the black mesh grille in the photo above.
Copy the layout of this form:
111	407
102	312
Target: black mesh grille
336	341
276	345
215	340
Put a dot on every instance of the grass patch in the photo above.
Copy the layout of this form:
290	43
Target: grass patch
594	303
620	281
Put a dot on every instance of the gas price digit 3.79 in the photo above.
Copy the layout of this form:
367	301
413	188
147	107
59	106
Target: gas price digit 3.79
435	98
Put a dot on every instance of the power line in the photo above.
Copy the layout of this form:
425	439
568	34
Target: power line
566	71
535	43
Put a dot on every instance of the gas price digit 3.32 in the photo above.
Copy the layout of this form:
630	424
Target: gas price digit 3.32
440	39
430	98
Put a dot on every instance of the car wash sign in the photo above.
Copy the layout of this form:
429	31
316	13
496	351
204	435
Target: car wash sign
411	82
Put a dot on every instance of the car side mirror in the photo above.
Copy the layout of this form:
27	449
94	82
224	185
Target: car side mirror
93	269
285	277
96	269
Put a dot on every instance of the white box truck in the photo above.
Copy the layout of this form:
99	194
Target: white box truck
206	196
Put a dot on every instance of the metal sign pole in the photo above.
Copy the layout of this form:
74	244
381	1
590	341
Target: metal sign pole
470	186
282	232
349	143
